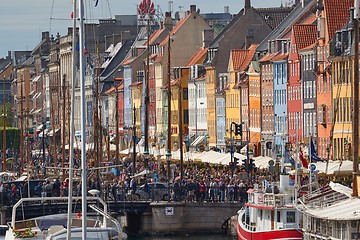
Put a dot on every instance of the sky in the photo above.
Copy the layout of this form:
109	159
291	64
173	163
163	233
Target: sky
22	21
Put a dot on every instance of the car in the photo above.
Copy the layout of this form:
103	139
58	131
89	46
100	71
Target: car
156	191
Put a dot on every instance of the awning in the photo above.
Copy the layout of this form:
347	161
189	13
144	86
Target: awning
36	79
198	140
42	133
51	133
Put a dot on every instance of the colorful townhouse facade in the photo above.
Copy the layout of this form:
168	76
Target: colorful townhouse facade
332	16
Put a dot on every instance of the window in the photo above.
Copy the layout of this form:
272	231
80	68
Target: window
185	94
290	217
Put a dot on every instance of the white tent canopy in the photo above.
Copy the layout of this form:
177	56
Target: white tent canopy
261	161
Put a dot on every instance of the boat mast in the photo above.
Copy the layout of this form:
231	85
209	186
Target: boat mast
72	114
134	143
63	124
181	131
117	126
22	126
52	117
355	89
83	118
168	154
97	123
4	130
146	124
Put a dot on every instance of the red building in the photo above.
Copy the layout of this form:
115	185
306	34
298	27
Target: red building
302	36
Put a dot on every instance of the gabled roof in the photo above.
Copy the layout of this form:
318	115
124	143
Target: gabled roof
154	36
241	58
304	35
176	28
268	57
4	63
134	84
274	16
337	14
280	56
297	15
196	57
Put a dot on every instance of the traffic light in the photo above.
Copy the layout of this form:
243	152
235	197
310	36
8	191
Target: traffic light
235	163
245	164
251	165
238	129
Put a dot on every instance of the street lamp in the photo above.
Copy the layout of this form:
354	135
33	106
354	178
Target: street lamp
168	158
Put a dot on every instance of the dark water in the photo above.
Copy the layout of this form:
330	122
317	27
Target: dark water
184	237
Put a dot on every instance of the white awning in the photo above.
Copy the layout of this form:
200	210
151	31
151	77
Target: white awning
198	140
51	133
36	79
336	211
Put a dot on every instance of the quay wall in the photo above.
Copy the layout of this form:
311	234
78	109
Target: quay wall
174	217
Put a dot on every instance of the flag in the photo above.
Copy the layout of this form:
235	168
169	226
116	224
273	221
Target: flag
313	153
303	159
288	158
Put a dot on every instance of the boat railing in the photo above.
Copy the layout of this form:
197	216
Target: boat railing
270	199
107	217
42	199
247	226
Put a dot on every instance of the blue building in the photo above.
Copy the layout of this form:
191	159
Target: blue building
280	101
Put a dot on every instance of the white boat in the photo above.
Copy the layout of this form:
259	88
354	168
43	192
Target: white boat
65	226
270	213
330	213
53	227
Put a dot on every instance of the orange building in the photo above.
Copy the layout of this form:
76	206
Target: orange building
332	16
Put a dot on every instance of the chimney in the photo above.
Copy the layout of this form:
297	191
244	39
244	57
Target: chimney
247	4
45	35
192	8
168	23
208	37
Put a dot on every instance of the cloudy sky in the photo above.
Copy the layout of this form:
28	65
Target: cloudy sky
22	21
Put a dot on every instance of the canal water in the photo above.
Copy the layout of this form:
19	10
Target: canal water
187	237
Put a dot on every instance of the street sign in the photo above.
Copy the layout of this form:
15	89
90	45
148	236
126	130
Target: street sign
312	167
169	211
271	162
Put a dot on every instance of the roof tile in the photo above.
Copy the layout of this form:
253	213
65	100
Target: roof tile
304	35
196	57
337	14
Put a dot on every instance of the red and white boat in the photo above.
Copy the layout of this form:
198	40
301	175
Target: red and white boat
270	213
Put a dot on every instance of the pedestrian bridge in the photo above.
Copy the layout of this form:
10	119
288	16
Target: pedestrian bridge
145	217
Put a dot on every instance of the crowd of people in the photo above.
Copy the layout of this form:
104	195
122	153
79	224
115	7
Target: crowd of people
199	182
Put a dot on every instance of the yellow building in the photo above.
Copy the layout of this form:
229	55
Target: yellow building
341	102
211	111
238	106
136	91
